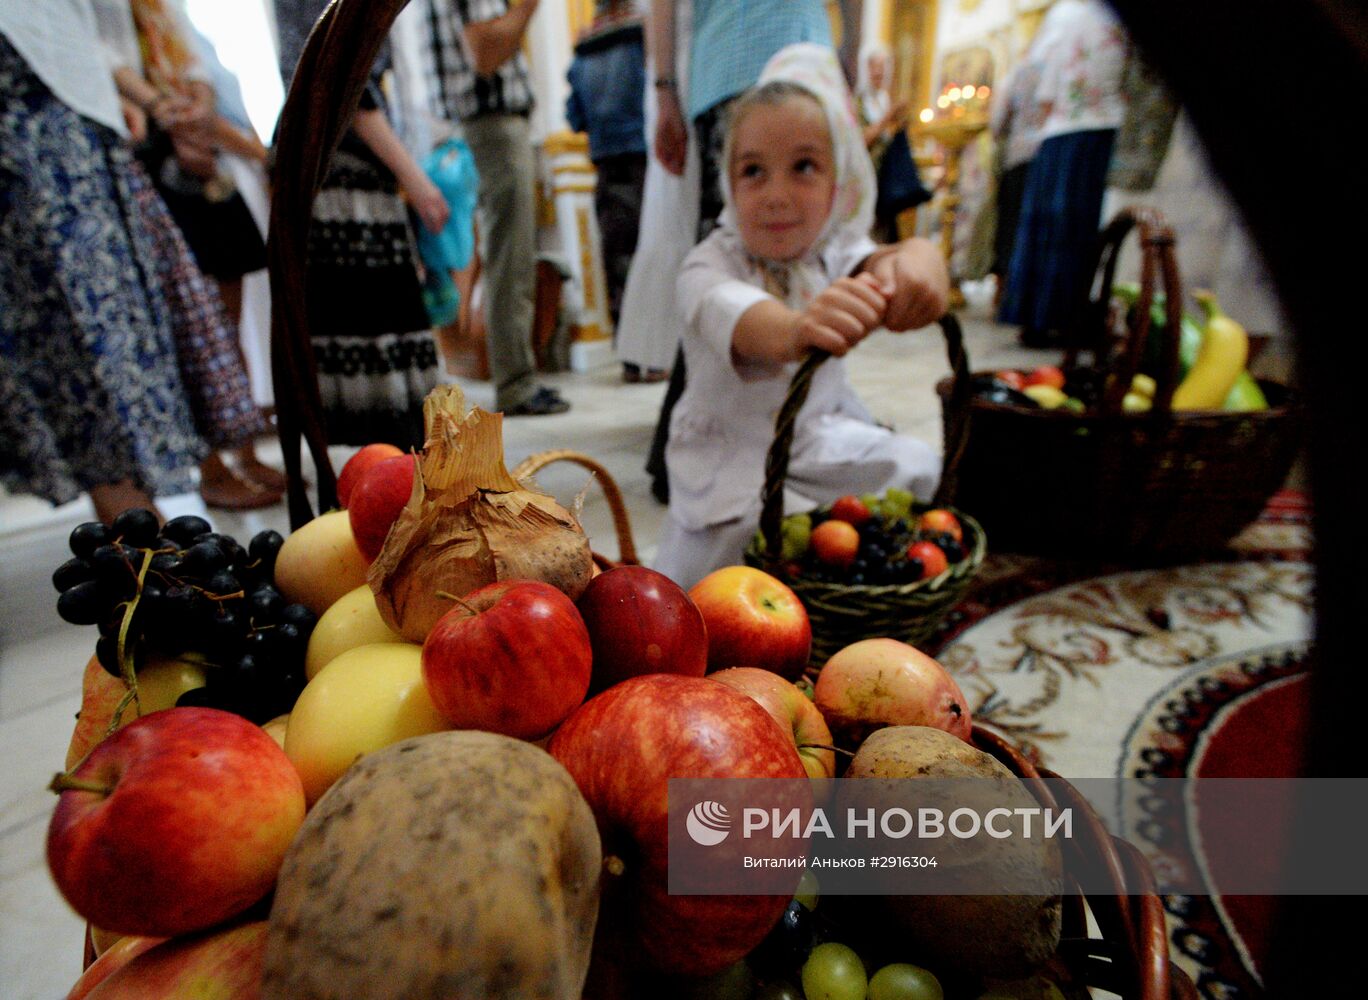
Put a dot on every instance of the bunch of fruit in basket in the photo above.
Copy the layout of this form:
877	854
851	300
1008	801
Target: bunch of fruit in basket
874	540
1212	353
469	795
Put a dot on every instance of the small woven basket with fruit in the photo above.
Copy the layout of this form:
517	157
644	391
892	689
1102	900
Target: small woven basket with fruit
1163	446
869	566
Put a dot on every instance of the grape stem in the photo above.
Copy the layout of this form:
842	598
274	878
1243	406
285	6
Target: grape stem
124	653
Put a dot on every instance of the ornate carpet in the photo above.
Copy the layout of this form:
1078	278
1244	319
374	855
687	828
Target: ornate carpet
1179	671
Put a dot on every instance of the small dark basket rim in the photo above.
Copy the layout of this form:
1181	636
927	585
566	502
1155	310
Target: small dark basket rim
1289	403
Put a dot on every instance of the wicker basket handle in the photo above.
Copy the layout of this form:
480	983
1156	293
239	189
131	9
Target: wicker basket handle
622	525
325	92
777	460
1158	263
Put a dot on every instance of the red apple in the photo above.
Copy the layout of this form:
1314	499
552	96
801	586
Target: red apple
753	620
835	543
622	747
1045	375
883	682
941	521
1011	378
101	693
511	657
932	558
174	823
641	622
357	465
793	710
850	509
110	961
222	964
382	492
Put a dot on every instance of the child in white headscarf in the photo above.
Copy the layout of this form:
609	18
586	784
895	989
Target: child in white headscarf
791	268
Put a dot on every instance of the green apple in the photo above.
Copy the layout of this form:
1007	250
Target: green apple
365	699
352	620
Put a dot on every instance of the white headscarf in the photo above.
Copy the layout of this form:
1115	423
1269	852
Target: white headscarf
815	68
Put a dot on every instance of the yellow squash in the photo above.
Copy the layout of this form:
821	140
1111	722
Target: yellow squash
1220	360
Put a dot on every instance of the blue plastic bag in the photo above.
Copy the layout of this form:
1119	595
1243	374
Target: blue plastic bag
451	166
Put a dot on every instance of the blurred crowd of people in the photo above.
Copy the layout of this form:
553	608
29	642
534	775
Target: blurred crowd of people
132	287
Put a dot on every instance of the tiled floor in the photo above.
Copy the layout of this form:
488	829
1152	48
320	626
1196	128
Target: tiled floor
41	658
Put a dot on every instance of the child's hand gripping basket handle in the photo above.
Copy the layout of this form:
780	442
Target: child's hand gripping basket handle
777	460
1157	263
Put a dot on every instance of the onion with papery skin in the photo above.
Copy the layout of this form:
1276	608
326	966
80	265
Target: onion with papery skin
468	522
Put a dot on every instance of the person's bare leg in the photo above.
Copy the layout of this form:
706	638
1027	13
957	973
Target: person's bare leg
112	499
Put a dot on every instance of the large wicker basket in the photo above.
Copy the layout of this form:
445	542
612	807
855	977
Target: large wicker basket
1130	958
842	613
1159	484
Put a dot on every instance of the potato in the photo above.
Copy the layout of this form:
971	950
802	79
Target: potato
456	864
976	935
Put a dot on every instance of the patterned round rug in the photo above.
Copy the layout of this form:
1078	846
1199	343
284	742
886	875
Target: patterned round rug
1177	671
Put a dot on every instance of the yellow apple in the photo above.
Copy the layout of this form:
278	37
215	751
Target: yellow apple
276	728
353	620
320	562
365	699
163	679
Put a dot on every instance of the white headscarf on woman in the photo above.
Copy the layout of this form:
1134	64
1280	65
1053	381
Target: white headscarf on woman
815	68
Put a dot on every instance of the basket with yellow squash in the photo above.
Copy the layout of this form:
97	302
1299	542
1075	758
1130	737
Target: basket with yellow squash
1163	446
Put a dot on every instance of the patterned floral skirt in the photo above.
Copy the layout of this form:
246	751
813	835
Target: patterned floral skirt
116	361
90	388
374	350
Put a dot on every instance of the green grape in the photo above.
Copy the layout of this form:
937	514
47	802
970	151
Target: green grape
873	502
794	534
897	503
902	981
808	890
834	972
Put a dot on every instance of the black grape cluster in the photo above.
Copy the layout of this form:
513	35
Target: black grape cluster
193	593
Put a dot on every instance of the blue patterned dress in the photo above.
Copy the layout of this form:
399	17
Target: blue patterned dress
91	391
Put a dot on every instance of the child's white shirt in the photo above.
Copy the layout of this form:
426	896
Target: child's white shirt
723	425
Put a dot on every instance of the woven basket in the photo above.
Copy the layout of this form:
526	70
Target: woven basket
842	613
1158	484
617	507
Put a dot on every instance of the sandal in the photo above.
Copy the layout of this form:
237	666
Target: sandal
544	402
263	475
224	489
